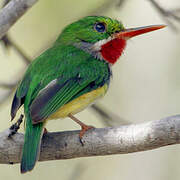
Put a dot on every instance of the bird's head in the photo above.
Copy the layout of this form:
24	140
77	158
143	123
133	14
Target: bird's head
103	37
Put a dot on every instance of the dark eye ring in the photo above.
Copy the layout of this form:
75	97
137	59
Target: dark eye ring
100	27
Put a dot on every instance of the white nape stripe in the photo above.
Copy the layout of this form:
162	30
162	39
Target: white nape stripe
97	45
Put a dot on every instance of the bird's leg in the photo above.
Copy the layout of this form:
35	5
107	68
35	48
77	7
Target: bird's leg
14	128
84	127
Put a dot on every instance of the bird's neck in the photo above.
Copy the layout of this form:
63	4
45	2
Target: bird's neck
108	50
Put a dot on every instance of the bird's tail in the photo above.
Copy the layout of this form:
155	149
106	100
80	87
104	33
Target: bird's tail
32	142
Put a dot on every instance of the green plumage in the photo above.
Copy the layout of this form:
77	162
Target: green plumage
31	145
64	72
75	78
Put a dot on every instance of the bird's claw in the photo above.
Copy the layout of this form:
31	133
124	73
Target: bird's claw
15	127
83	131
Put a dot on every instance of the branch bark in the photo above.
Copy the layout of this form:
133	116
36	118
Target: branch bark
12	12
97	142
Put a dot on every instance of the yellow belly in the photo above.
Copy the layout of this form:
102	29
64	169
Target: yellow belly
79	103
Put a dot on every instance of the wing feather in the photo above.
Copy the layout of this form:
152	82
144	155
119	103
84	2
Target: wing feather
55	95
20	94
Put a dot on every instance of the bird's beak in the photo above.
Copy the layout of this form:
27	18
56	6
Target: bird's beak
132	32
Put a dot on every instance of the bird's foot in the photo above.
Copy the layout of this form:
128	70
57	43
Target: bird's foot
15	127
84	128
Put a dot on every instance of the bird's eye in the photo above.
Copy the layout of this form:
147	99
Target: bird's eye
100	27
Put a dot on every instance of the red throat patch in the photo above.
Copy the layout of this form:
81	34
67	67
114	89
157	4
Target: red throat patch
113	49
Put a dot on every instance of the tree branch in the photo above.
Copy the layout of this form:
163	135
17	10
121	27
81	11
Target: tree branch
104	141
97	142
12	12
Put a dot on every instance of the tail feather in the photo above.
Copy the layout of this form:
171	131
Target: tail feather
31	148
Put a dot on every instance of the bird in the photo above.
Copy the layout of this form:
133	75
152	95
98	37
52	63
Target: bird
69	76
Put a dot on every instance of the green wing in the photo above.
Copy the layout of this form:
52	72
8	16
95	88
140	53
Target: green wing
61	91
20	95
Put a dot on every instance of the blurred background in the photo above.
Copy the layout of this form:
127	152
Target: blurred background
145	86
